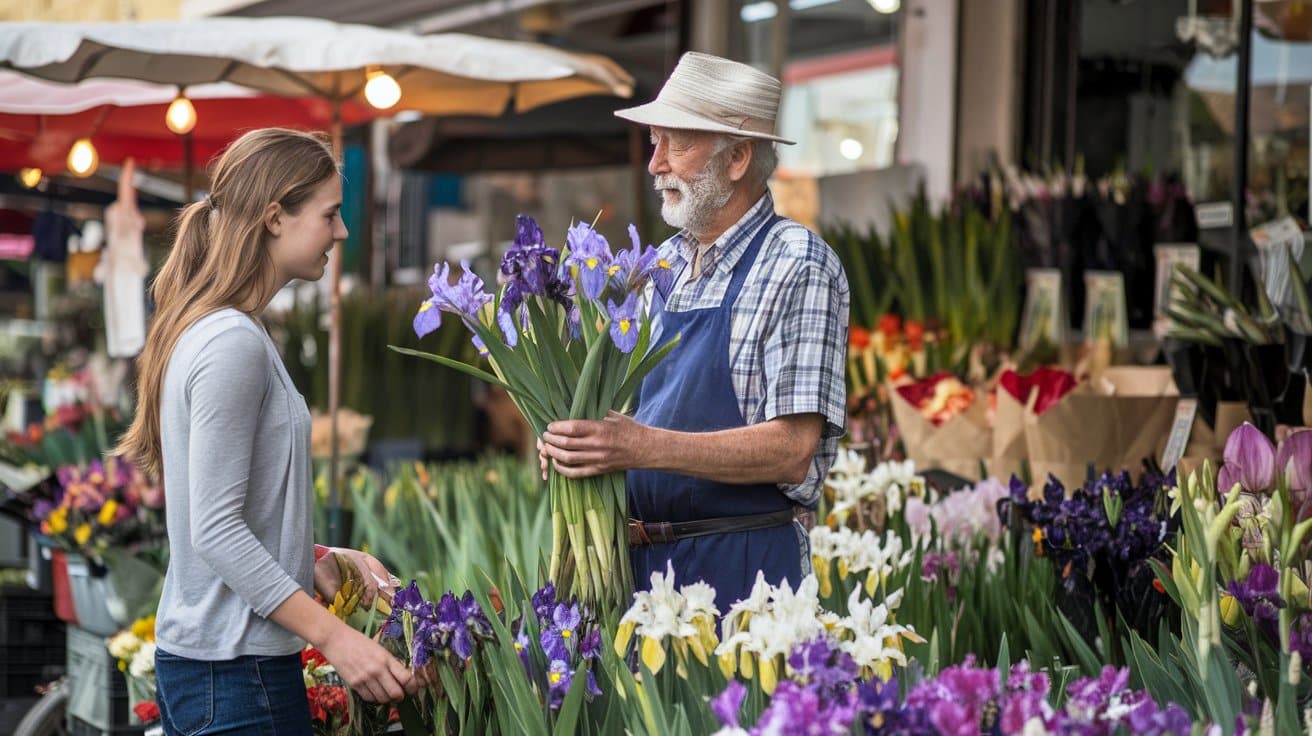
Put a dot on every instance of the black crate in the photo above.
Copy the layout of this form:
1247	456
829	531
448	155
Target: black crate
28	617
21	681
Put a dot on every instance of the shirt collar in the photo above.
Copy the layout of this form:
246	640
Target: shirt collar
729	247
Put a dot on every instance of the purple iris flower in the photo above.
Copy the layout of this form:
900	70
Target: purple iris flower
522	644
559	678
590	254
591	646
407	600
465	297
956	701
544	600
566	620
940	562
527	232
828	671
530	268
1300	636
553	644
1259	593
426	644
795	709
729	703
624	323
593	689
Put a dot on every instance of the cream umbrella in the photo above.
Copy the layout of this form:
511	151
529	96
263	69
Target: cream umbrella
445	74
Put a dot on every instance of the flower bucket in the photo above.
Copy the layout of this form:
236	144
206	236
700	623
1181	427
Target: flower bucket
99	609
64	609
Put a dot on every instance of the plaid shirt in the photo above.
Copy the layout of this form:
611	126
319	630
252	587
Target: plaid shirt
788	339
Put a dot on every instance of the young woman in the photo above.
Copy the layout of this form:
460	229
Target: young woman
219	419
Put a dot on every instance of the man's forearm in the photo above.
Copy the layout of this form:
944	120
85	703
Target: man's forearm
777	451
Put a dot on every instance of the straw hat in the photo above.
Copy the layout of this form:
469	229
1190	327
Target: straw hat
713	94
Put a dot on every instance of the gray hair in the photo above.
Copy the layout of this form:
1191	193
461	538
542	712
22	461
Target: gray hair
765	159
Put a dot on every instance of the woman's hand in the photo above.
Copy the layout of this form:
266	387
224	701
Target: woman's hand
367	667
374	576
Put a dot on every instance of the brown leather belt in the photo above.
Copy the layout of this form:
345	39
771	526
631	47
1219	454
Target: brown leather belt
661	532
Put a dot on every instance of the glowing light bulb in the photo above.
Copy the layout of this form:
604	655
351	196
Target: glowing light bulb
381	90
83	158
886	6
851	149
181	116
30	177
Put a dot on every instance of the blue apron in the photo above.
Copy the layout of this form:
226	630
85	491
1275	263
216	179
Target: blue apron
692	391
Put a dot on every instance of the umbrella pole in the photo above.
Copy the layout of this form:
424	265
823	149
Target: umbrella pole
188	168
335	360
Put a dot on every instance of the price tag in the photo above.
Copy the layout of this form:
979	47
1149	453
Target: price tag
1180	429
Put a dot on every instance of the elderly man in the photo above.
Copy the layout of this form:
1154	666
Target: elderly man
736	429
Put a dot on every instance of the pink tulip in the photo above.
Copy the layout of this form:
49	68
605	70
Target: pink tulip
1253	459
1294	459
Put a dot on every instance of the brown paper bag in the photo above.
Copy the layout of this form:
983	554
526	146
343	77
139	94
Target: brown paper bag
1113	423
1009	452
958	446
1208	443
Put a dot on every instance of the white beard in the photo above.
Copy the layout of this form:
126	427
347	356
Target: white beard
699	199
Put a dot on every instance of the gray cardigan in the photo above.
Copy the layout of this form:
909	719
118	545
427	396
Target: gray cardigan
239	492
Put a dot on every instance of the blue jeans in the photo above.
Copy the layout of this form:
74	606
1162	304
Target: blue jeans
246	695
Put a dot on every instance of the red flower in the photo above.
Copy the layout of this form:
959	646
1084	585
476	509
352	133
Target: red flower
312	658
147	711
915	335
889	325
327	702
1051	384
858	337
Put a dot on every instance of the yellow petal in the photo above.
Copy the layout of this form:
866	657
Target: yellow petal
842	568
769	675
728	663
747	665
623	637
698	651
653	654
1230	609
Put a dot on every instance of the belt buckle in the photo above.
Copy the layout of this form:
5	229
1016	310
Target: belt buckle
638	536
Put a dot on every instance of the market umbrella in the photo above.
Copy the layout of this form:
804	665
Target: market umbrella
40	120
443	74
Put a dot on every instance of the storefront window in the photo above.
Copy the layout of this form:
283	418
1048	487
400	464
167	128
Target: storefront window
840	81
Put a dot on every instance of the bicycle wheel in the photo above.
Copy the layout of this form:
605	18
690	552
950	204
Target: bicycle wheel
46	718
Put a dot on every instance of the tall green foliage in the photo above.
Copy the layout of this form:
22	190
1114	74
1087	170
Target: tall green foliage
406	398
956	268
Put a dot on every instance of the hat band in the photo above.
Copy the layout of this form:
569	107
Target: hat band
702	108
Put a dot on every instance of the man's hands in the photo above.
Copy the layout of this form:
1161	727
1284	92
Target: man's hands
376	578
582	448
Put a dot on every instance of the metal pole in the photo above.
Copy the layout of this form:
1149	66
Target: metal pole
335	359
188	168
1239	244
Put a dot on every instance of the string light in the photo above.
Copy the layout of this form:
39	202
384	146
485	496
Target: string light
83	158
181	116
381	90
30	177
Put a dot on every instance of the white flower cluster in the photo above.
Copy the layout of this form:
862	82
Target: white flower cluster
687	615
892	482
855	553
773	620
135	655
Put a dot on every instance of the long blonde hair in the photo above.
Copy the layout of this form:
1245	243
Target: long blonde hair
220	258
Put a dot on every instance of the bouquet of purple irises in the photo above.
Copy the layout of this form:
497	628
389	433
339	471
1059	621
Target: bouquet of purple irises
568	337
